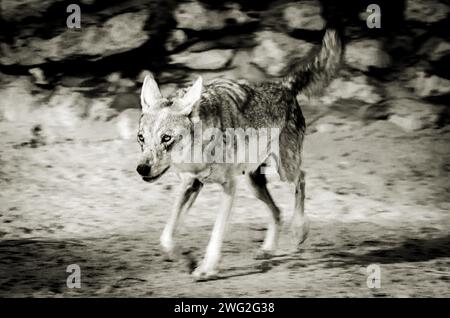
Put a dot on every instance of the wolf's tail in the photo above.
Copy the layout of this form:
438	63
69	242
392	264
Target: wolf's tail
309	79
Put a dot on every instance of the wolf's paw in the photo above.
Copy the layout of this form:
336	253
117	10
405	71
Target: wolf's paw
170	252
263	254
202	274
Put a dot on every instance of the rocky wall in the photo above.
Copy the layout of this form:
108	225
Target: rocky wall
398	72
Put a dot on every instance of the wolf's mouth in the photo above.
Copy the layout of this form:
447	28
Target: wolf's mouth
151	179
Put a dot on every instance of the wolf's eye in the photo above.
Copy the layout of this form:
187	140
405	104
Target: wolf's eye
140	137
165	138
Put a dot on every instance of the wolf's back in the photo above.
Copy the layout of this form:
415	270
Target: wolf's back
309	79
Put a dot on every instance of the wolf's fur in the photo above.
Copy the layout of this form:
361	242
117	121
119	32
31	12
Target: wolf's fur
233	104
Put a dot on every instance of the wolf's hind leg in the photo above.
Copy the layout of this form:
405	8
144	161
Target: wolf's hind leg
300	222
258	183
190	188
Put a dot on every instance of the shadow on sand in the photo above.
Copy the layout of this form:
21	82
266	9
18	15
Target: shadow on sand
410	250
33	266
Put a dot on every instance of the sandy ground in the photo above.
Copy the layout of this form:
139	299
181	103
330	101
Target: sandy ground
375	195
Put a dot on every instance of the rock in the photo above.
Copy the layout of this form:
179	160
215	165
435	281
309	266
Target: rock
441	50
118	34
426	11
22	101
142	74
119	85
126	83
172	75
374	112
357	88
101	110
435	48
332	127
208	60
195	16
74	81
412	115
332	123
17	10
275	50
226	42
363	54
242	67
67	108
114	77
409	73
17	100
304	15
176	38
127	123
126	100
397	90
401	45
39	76
425	85
168	89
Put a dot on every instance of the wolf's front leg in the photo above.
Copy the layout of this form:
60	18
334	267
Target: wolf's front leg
208	267
190	188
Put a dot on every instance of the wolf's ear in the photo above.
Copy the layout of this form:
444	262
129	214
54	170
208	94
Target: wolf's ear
192	97
150	93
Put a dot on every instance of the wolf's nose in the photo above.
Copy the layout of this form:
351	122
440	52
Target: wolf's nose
143	170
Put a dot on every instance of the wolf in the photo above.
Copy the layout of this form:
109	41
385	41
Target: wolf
222	104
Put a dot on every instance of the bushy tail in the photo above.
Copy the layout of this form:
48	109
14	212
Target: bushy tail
310	78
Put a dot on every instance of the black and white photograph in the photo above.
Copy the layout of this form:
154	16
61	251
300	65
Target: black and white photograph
233	149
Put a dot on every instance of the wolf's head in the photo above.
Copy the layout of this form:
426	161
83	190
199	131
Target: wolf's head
163	124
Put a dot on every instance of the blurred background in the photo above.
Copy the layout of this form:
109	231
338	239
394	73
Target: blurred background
377	156
101	65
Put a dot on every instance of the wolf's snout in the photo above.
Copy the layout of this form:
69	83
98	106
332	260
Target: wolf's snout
143	169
